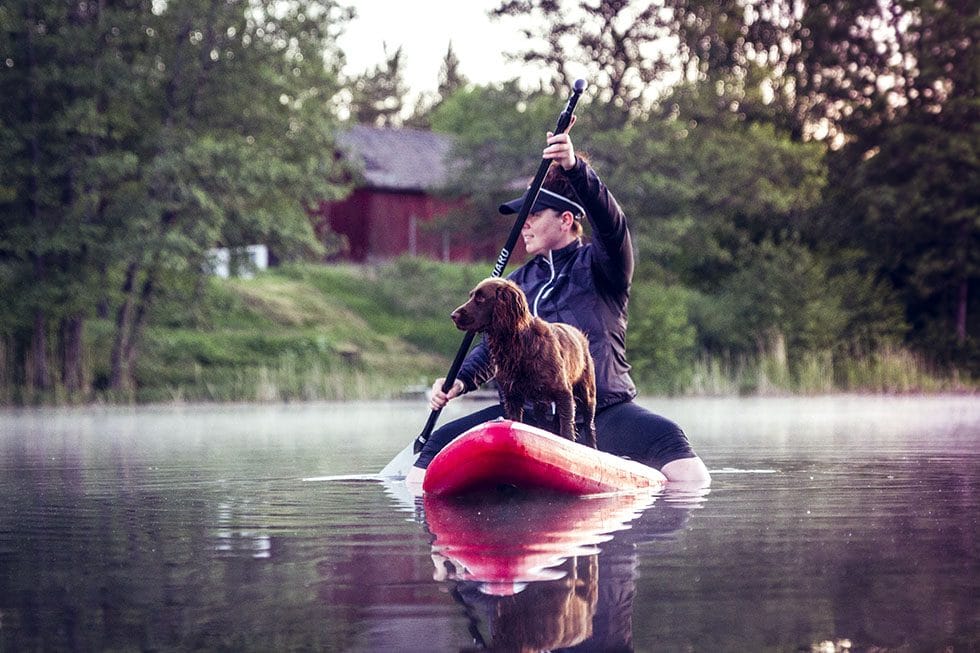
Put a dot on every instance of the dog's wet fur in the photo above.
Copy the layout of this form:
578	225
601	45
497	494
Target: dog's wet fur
536	361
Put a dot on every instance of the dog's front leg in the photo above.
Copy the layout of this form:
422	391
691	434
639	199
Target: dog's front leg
585	408
588	429
514	408
565	408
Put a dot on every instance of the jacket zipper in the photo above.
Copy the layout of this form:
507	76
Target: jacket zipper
545	288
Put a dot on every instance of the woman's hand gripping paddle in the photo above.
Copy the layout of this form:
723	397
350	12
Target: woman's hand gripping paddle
401	463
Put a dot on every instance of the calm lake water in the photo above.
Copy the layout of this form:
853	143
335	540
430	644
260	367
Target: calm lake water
847	523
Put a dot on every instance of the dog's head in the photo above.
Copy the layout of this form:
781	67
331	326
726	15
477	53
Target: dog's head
493	303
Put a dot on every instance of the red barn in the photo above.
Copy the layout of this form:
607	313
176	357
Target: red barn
398	174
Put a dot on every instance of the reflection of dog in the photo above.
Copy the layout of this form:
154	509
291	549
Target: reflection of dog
535	361
548	615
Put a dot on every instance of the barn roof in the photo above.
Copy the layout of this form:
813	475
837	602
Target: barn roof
398	159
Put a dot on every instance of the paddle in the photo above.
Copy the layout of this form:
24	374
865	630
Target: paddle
400	464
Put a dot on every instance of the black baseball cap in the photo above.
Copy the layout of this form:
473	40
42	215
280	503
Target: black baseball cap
546	200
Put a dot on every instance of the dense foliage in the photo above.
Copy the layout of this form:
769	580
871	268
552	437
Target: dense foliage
805	175
304	331
135	136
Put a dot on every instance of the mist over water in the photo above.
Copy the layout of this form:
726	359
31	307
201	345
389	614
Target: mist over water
846	522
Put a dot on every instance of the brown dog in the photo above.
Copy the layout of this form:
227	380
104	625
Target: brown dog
535	361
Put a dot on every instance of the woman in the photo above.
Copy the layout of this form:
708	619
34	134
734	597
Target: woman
586	285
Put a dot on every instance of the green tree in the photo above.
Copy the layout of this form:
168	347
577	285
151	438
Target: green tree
451	80
894	85
67	147
220	164
661	340
817	62
724	206
889	86
137	136
779	293
497	131
702	183
618	44
904	189
915	203
378	95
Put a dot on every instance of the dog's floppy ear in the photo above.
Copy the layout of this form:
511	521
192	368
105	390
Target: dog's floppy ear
511	305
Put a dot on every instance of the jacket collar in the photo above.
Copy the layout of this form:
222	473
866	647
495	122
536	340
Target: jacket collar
559	256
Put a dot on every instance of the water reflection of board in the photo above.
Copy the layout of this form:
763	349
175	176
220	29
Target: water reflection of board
504	453
500	541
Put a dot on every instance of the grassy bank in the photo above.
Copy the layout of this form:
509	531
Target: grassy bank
313	332
305	332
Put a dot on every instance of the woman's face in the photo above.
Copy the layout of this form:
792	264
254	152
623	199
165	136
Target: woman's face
546	230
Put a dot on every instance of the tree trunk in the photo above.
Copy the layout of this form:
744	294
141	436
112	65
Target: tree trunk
197	298
102	306
40	372
6	369
131	351
72	348
961	312
119	378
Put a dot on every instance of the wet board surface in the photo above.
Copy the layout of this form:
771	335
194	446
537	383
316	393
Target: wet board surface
502	454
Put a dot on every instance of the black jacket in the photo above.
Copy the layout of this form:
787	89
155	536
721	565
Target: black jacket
584	284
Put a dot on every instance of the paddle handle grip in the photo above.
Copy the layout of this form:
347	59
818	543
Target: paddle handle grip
564	119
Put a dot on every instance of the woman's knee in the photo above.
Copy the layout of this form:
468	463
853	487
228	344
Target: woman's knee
692	470
631	430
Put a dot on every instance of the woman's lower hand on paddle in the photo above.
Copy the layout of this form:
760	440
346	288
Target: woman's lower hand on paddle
438	399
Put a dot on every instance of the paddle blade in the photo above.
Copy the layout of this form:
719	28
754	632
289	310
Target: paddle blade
400	464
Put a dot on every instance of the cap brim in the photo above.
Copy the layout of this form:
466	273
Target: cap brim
545	200
514	206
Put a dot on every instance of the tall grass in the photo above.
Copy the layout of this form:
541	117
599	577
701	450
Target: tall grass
892	370
288	380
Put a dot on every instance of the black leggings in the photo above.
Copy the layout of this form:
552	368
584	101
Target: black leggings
623	429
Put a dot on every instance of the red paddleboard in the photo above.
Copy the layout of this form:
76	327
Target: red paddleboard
502	453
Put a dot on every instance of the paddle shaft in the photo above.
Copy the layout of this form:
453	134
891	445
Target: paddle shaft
498	269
